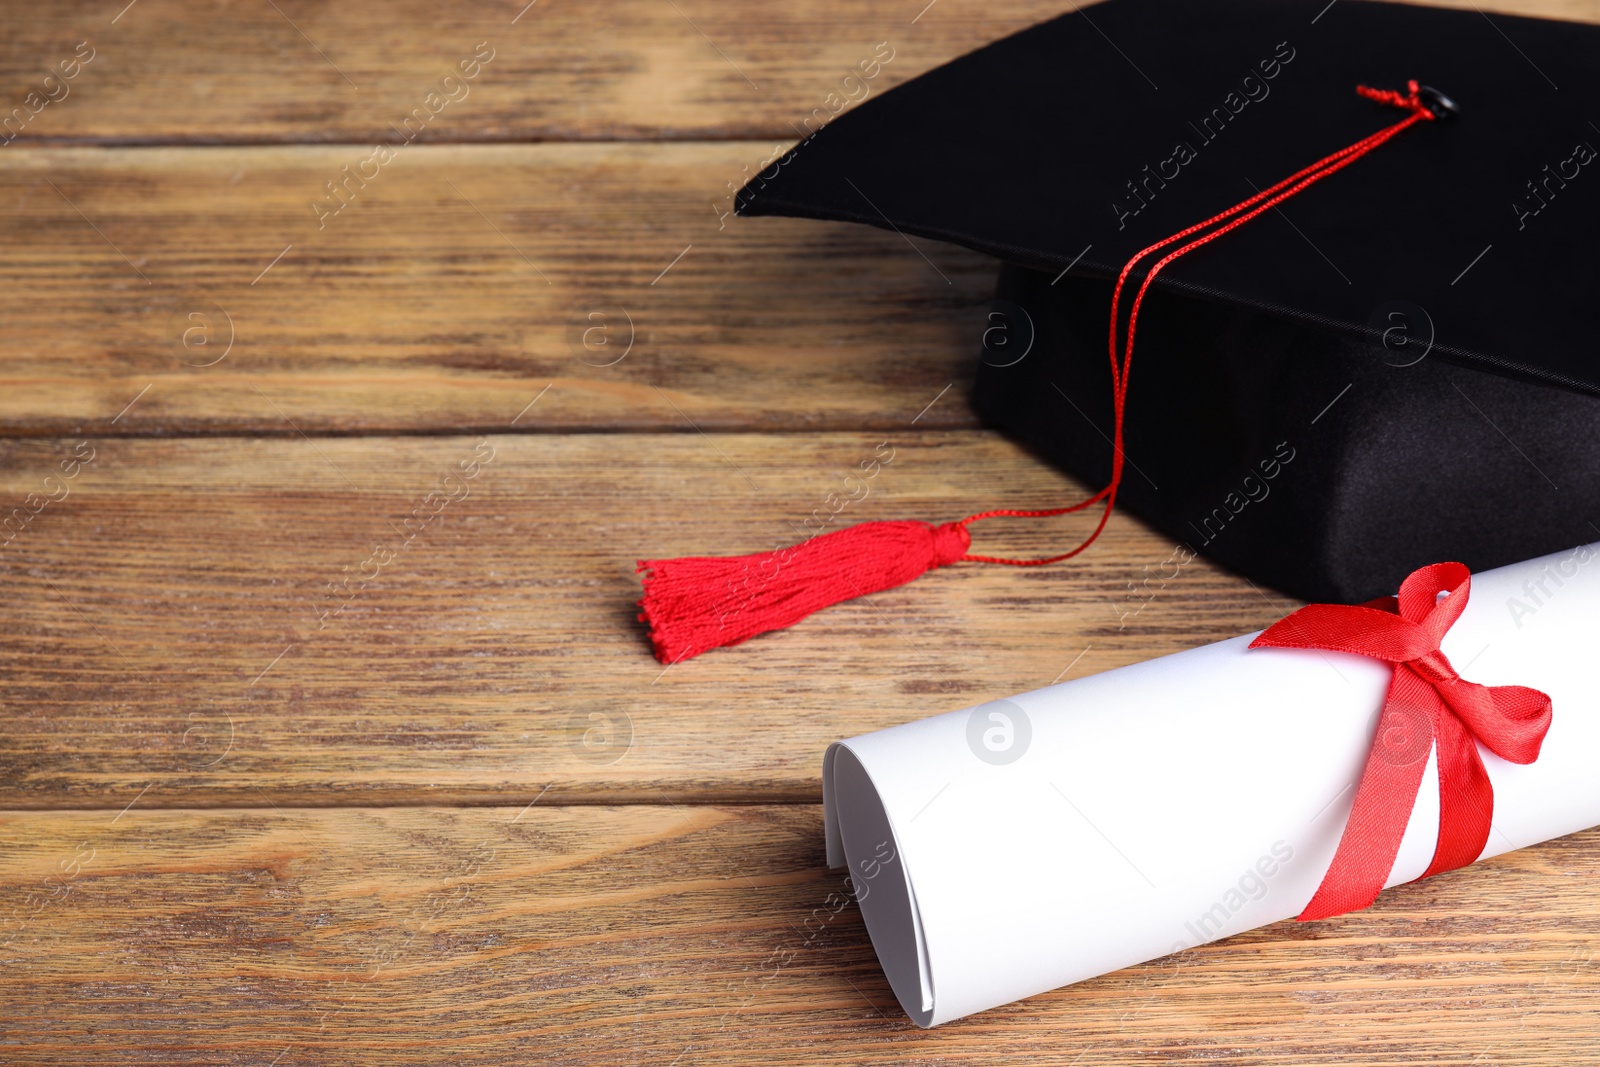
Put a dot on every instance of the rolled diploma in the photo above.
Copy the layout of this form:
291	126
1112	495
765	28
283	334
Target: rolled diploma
1178	801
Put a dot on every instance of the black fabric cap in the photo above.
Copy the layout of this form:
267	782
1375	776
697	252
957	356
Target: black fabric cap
1446	279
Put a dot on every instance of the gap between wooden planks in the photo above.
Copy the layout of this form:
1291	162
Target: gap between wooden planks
700	935
578	936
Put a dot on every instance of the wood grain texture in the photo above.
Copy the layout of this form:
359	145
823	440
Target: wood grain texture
704	935
204	71
207	72
449	284
314	690
166	618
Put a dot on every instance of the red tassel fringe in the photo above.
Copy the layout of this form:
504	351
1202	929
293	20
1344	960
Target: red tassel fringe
703	602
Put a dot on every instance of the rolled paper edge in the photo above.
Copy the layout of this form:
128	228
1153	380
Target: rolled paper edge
838	816
883	887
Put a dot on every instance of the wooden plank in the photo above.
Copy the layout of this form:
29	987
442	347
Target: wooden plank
189	71
171	623
303	71
451	283
701	935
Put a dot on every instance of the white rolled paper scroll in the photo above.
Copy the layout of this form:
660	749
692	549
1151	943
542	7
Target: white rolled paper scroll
1025	844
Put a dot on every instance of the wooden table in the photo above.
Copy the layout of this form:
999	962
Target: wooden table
315	753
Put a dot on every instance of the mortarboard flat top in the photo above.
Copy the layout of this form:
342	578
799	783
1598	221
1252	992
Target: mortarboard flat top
1079	141
1068	147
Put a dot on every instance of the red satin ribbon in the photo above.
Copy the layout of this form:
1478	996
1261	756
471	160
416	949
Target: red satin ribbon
1428	704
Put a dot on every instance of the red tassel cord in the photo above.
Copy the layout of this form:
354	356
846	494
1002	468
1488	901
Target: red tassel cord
698	603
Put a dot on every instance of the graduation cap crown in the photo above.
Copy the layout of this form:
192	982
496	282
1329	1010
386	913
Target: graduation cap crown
1102	148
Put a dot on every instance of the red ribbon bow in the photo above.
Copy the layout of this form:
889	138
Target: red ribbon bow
1428	703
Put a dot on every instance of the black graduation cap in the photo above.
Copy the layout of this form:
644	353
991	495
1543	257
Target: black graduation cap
1394	367
1375	351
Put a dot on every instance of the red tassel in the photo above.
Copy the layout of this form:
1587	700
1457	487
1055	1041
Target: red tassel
704	602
